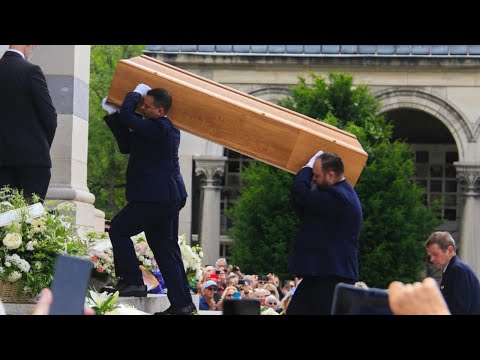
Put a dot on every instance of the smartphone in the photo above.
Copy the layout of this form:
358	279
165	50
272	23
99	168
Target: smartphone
70	284
241	307
352	300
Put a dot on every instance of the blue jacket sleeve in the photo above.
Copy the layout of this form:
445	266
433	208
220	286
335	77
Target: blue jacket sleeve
461	301
143	127
122	134
43	103
319	201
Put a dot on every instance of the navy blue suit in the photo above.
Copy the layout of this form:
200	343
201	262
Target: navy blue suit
154	192
28	122
326	248
461	288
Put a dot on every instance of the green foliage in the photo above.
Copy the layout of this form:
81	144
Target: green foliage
396	222
265	223
106	166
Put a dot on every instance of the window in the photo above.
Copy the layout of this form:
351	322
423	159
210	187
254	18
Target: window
231	184
434	170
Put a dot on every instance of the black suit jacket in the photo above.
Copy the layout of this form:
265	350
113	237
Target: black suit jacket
461	288
153	173
330	221
28	119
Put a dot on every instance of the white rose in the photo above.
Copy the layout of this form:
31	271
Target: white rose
14	276
12	241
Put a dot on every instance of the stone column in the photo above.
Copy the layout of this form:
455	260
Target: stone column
67	70
211	167
468	176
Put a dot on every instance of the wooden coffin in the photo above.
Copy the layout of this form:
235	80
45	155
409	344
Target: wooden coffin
238	121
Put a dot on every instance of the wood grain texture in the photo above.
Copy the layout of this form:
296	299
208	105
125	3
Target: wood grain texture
238	121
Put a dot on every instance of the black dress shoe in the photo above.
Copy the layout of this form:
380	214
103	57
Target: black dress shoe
127	290
187	310
113	288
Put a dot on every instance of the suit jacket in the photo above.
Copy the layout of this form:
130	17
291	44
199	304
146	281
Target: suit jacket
153	172
330	221
461	288
28	119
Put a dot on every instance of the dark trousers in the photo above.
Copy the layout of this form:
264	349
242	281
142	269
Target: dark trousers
156	220
32	180
175	236
314	295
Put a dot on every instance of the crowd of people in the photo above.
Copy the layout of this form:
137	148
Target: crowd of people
224	281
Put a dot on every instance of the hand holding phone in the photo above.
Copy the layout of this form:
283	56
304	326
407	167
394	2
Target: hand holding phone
352	300
241	307
70	285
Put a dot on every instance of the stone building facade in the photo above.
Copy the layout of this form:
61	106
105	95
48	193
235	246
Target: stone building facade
430	93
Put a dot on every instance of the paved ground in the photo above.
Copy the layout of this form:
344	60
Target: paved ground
150	304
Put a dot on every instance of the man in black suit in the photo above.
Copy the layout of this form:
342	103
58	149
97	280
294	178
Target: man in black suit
154	192
28	122
326	248
460	285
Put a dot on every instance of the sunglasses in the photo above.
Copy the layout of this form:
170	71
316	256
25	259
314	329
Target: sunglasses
272	303
212	289
229	295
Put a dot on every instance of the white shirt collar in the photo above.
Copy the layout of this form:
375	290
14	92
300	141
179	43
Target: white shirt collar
447	266
17	51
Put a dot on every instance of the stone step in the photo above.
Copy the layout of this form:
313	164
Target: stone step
150	304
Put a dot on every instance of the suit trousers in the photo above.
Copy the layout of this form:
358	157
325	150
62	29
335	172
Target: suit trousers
30	179
314	295
175	235
156	220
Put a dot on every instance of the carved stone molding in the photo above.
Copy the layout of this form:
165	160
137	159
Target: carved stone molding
468	176
210	166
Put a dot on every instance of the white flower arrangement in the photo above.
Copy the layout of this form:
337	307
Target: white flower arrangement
192	259
106	304
143	252
101	254
30	239
268	311
100	249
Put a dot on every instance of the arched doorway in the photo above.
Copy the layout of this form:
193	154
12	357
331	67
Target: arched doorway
434	152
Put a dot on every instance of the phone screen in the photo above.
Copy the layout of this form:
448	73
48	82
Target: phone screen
241	307
70	285
352	300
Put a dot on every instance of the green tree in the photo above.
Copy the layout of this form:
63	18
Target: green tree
106	166
396	222
264	222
